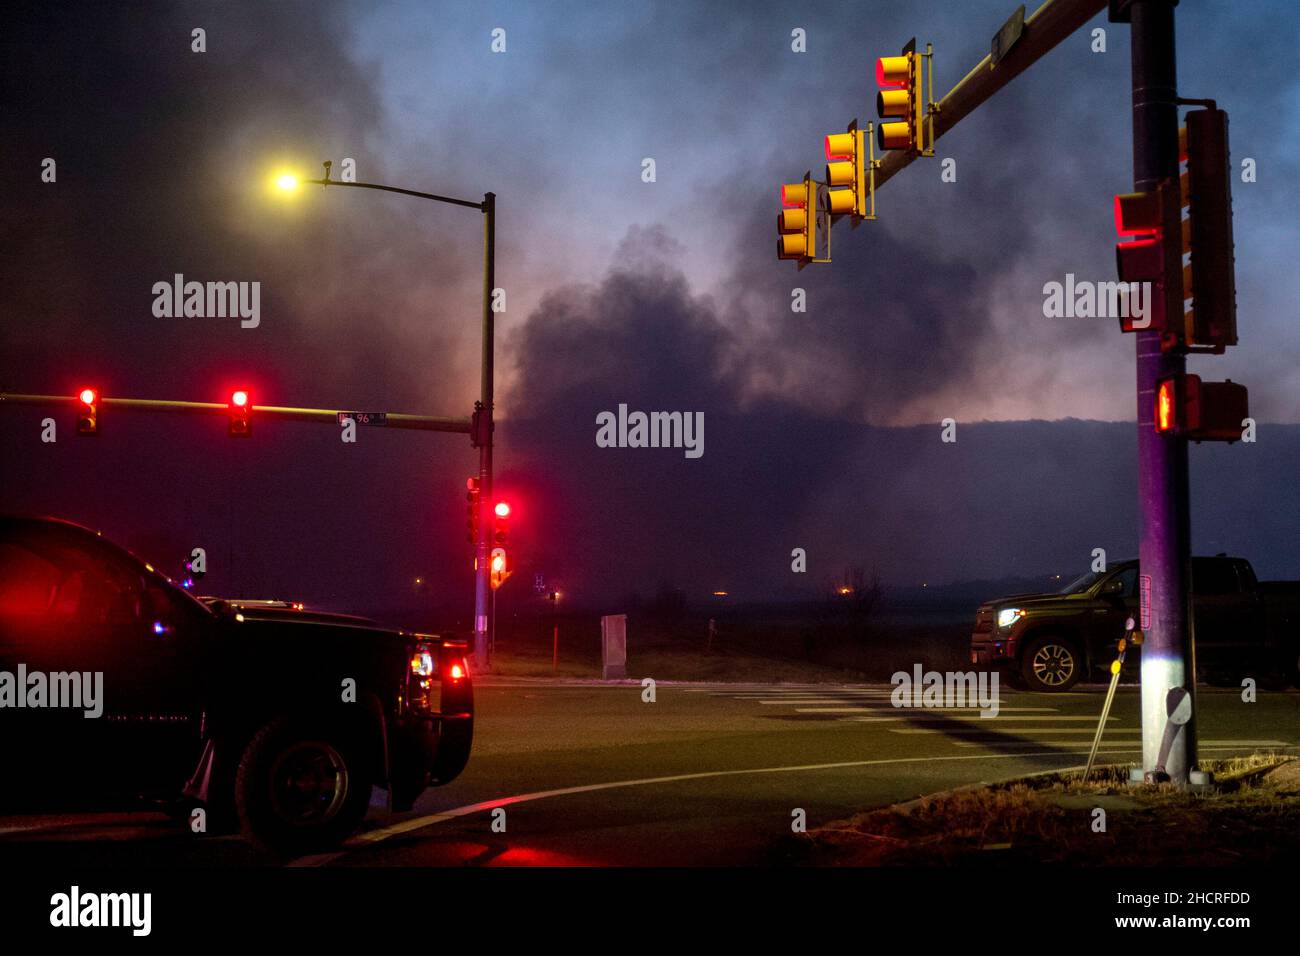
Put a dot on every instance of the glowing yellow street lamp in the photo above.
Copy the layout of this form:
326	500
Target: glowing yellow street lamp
287	182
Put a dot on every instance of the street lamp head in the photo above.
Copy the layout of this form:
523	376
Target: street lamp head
287	182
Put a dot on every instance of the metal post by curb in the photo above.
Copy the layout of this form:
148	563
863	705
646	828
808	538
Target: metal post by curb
1135	637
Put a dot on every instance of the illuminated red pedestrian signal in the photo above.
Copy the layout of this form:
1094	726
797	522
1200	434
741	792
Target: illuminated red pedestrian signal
1188	408
498	566
500	522
1167	405
241	413
88	412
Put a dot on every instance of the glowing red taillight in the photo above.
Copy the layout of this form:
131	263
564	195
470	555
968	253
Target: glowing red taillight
457	672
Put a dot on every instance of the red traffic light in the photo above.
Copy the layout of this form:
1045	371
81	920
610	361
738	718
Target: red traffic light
241	418
88	411
500	522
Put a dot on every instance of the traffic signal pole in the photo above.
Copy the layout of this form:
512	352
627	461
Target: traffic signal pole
1164	545
483	438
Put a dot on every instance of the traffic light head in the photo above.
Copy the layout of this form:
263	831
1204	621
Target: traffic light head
797	222
846	193
240	409
1188	408
1149	220
471	509
900	100
1210	279
498	567
88	411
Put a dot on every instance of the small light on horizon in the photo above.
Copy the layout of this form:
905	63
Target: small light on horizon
720	593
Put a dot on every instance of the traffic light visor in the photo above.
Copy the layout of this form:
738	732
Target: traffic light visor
840	174
840	201
893	103
792	246
894	135
1137	214
839	146
794	194
893	70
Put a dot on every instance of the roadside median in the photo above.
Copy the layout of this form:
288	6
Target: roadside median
1250	816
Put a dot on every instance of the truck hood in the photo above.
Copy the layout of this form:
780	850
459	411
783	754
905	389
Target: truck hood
1029	600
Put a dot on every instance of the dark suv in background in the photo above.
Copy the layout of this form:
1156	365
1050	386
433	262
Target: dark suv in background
282	723
1048	642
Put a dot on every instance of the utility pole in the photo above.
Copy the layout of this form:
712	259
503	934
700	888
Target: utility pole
483	438
1163	502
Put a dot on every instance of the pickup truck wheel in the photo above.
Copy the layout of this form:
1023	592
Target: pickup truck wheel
302	786
1051	664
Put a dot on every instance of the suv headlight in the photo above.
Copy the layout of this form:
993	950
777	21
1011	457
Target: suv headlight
1009	615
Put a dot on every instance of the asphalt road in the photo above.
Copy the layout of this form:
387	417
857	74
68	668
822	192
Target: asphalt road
708	774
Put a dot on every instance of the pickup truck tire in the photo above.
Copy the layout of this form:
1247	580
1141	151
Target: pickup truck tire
303	785
1051	664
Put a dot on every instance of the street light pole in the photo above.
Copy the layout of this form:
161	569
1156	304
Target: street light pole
483	438
481	423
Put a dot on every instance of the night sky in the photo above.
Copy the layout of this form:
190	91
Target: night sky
821	428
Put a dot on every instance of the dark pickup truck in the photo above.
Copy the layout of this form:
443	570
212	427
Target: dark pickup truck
1048	642
117	685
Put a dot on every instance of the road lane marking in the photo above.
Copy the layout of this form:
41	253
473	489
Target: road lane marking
1071	743
371	837
974	729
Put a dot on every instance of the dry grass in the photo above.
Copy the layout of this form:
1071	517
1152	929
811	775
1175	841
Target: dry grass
1252	815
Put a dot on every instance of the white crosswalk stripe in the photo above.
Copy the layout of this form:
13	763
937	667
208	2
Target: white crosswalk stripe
1014	727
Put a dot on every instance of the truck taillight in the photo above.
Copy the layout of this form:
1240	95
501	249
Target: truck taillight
457	671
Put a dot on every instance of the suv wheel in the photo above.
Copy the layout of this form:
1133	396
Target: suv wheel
1051	664
302	787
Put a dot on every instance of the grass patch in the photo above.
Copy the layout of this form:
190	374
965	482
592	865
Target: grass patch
1250	816
674	663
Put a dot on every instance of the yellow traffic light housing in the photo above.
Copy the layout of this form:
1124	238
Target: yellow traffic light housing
903	99
848	167
798	222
